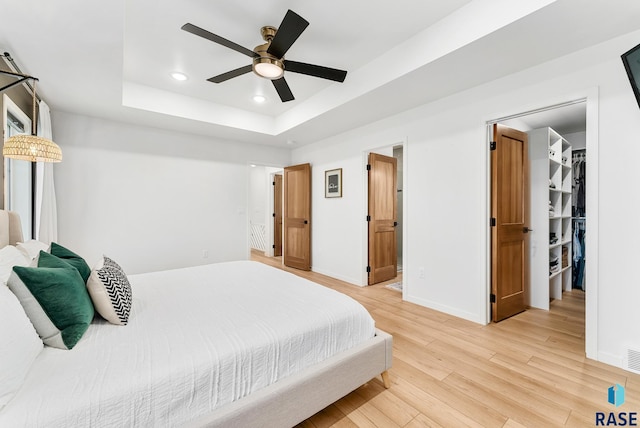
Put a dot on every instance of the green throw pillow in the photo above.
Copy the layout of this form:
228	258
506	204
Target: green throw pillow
73	259
55	299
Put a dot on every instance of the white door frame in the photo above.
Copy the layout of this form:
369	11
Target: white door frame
590	97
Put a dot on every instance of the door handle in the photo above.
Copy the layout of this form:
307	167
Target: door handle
395	223
306	222
526	229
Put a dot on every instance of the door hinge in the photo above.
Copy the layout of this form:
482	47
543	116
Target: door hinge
492	145
368	167
492	222
274	214
274	246
492	298
273	183
368	218
368	269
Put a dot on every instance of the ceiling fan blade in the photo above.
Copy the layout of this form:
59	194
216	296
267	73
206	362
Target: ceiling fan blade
315	70
290	29
230	74
283	89
217	39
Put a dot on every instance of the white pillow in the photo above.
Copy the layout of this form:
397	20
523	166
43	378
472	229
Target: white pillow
110	291
10	256
19	345
32	248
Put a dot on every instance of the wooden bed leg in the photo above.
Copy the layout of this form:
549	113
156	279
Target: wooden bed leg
385	379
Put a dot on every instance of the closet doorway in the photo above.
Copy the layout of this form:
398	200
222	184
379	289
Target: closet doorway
563	186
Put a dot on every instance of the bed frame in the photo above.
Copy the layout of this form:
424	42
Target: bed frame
294	398
300	396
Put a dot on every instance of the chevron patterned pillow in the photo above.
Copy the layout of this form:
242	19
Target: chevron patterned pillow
110	291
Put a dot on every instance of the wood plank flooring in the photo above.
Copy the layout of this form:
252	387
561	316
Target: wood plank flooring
527	371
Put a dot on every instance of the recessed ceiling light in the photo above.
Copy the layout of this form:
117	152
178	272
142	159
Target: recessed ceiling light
179	76
259	98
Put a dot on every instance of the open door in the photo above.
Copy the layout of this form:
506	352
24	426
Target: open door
509	222
382	218
277	215
297	216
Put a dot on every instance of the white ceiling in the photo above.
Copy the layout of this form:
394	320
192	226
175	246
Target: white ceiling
113	59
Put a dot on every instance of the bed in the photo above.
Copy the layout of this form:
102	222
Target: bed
236	344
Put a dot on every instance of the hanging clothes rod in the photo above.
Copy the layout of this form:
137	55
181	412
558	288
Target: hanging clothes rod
16	72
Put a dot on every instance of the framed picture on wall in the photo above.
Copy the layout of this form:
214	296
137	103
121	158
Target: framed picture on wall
333	183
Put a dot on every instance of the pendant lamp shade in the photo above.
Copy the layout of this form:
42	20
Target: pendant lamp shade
32	147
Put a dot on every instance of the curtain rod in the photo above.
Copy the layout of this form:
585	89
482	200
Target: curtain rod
17	73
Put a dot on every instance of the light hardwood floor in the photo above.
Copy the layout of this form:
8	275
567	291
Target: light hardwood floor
527	371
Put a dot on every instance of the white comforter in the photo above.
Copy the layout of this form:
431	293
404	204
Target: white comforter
197	338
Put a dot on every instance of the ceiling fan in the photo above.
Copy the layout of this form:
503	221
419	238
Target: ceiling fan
268	59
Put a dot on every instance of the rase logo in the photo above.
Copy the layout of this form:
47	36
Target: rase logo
615	396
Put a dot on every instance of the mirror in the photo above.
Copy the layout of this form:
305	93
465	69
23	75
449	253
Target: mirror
18	175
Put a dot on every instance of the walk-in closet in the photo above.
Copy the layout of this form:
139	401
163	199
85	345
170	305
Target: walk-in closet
558	209
558	214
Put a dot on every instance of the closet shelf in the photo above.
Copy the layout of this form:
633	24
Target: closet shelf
551	186
558	272
560	244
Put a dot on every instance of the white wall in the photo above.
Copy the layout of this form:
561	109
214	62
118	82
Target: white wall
446	162
257	194
152	199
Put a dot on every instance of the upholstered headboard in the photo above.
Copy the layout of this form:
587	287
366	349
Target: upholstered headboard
10	228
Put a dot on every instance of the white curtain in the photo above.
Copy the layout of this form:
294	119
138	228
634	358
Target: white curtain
46	208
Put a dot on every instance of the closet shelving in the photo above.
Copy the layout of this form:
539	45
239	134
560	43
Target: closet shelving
551	237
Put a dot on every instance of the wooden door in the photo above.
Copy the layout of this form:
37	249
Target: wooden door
509	222
297	216
383	216
277	215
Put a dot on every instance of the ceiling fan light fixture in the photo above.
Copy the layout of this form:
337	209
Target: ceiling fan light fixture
269	68
268	59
